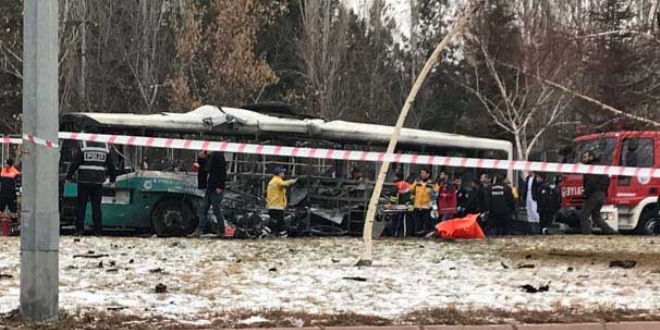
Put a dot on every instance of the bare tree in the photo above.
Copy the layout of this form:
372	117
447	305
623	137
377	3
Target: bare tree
142	50
521	106
323	50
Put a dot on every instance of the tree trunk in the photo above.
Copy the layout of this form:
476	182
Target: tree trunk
83	55
367	257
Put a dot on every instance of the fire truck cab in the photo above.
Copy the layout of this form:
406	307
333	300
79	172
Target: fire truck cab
632	203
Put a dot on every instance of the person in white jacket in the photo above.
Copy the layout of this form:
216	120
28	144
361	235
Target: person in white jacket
531	205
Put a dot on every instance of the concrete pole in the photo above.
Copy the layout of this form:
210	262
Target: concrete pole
40	214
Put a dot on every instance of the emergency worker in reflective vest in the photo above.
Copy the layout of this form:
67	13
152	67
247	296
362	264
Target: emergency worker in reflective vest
94	164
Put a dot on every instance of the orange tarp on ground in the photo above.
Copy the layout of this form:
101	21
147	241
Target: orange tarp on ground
467	227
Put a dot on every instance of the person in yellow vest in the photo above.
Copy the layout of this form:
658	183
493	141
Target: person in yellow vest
425	192
277	201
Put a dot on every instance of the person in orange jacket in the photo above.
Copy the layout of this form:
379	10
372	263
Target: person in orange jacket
403	224
8	199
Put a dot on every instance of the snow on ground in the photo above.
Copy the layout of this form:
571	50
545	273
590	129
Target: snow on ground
206	276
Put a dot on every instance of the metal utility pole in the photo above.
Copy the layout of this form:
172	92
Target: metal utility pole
40	225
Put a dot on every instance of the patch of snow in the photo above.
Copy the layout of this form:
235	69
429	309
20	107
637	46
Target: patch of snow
209	276
254	320
196	323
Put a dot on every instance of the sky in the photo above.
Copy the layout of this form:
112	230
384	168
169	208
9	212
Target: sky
400	10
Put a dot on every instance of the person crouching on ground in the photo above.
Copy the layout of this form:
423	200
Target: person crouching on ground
277	201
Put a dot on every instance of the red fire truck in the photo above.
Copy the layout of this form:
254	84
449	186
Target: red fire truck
632	203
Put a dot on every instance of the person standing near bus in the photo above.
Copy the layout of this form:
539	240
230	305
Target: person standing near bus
447	198
530	195
595	191
211	176
425	192
277	201
501	207
402	225
483	193
549	200
8	181
94	165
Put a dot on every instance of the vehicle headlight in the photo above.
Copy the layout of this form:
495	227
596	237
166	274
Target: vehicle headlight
608	216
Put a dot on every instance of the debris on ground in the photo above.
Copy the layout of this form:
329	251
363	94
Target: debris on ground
352	278
531	289
6	277
626	264
91	255
525	266
161	288
155	271
206	276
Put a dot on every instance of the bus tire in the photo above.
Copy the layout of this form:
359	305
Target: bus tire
172	217
649	222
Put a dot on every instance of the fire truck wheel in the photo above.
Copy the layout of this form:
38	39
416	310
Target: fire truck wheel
649	223
173	218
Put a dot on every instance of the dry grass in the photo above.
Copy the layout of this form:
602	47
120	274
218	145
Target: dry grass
279	318
454	316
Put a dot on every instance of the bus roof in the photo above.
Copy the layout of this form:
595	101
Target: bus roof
227	121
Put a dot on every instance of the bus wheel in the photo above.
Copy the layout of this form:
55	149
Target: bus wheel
173	218
649	223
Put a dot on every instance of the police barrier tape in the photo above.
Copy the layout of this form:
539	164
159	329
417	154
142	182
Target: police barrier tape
38	141
348	155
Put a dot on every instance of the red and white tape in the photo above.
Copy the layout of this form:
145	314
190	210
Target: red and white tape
349	155
9	140
31	138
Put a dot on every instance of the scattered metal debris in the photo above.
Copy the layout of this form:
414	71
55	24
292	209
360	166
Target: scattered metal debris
626	264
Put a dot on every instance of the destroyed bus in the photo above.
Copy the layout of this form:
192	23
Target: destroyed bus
632	202
157	189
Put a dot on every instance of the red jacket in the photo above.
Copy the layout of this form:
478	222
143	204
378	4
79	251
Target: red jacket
447	199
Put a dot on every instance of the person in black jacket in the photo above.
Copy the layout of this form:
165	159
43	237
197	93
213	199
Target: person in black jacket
483	193
549	201
473	199
211	176
94	164
595	191
501	206
9	177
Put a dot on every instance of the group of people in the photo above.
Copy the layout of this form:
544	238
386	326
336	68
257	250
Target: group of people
433	201
496	201
430	201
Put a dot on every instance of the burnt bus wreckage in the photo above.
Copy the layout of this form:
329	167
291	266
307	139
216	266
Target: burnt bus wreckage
157	187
